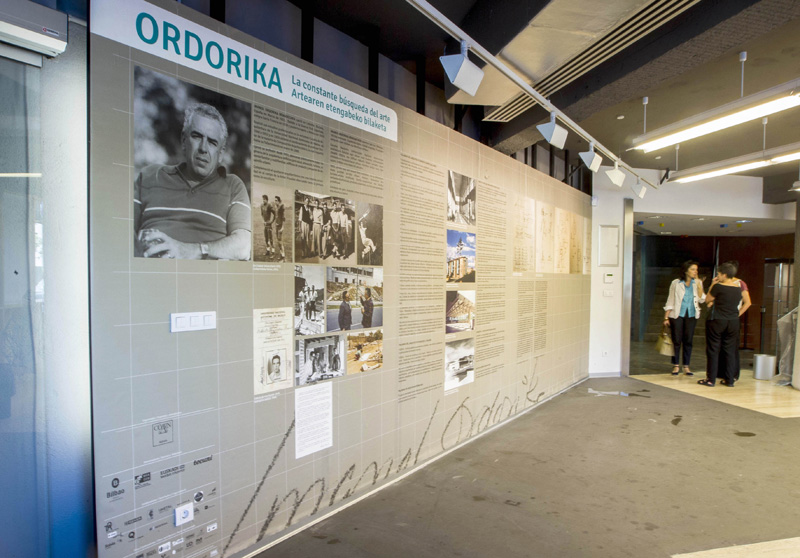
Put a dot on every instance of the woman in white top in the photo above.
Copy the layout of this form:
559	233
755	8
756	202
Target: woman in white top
682	311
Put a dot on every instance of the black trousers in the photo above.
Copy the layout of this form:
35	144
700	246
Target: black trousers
722	338
682	330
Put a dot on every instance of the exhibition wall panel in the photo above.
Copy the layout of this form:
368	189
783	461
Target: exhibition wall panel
300	290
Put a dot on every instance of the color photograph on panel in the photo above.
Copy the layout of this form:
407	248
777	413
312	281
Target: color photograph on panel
460	199
272	223
459	363
364	351
191	151
460	257
460	311
370	234
309	299
319	358
355	298
325	231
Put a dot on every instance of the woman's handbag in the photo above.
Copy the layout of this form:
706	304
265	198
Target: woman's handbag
664	344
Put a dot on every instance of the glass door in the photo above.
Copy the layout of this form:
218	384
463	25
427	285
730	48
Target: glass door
24	524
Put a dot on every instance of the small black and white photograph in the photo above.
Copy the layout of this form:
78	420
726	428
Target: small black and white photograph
364	351
459	311
325	229
460	257
460	199
272	223
191	151
354	298
459	363
319	358
369	239
309	300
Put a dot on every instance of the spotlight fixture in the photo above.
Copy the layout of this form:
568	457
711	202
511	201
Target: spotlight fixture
615	175
639	189
742	110
795	186
461	72
591	159
553	133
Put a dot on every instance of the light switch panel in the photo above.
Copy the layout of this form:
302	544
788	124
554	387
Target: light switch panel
192	321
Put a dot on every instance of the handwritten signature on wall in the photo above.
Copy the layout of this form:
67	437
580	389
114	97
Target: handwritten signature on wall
462	425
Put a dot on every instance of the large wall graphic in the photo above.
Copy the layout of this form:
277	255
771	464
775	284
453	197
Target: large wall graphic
371	288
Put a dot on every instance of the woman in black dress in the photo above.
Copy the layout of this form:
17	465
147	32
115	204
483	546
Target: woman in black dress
722	326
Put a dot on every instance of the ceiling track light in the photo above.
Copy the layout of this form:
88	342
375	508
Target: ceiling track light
591	159
616	176
766	158
461	72
434	15
639	189
795	185
554	134
752	107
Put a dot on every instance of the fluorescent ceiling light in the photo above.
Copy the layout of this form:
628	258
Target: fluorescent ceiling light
20	175
748	108
553	133
759	159
461	72
615	175
724	171
591	159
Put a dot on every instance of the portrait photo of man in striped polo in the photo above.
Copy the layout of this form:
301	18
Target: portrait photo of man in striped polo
186	202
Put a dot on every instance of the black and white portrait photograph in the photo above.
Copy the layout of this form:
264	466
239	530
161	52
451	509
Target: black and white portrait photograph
460	257
459	363
459	311
460	199
309	299
369	237
325	229
272	223
191	193
319	358
354	298
364	351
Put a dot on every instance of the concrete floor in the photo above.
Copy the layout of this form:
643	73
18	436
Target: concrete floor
653	474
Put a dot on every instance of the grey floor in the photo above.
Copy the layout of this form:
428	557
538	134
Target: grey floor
653	474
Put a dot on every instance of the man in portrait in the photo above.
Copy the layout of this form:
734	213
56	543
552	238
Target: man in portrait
195	209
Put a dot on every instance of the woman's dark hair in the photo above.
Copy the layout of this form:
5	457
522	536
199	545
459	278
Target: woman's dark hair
728	269
735	265
685	268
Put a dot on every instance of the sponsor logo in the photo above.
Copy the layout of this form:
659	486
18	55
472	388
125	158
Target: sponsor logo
109	527
131	535
203	460
212	527
115	493
165	547
198	496
152	552
160	525
162	433
112	534
190	544
172	471
141	479
151	514
115	482
176	543
165	508
134	520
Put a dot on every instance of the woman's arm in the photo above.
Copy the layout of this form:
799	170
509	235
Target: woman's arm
710	297
745	302
670	300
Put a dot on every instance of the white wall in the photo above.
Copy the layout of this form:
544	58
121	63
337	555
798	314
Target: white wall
729	196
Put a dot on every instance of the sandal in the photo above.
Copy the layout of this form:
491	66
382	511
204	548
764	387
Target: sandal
725	383
706	382
675	370
687	371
